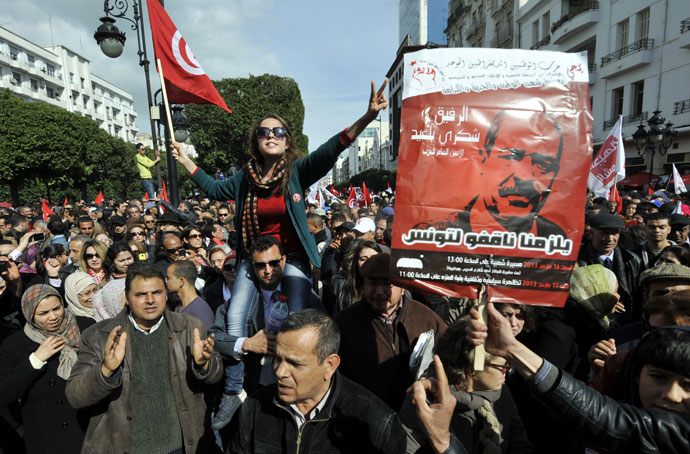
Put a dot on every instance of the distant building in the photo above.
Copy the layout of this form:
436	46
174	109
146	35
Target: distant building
423	21
59	76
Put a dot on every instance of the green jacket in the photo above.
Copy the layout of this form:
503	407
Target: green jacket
305	172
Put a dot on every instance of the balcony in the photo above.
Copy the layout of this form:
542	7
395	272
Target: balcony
546	40
634	118
626	58
681	107
684	39
574	21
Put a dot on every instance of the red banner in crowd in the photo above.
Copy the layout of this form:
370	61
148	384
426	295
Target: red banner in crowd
99	198
45	208
495	148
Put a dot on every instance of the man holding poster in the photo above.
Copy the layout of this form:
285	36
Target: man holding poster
494	155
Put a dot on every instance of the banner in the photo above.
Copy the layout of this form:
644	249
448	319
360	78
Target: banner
608	166
495	150
678	184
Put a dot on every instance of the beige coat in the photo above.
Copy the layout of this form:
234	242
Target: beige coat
110	428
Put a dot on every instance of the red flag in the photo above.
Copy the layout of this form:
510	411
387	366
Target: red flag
650	190
616	196
64	204
99	198
186	81
352	200
46	210
334	191
146	196
367	196
164	193
350	188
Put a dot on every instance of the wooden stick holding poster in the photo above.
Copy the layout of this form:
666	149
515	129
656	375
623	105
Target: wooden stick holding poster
495	150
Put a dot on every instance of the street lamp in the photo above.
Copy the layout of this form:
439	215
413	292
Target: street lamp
658	137
180	124
112	42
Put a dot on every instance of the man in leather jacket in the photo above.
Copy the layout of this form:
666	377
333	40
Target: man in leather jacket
311	406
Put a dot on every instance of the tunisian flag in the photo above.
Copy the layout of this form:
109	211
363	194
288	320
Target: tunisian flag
47	211
185	79
99	198
352	199
367	196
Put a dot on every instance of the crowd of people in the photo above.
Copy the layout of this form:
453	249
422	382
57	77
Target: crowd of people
137	326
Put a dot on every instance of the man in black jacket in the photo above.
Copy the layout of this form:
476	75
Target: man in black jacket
311	406
603	249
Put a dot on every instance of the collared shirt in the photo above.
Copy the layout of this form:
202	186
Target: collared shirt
266	296
604	258
300	419
153	328
391	318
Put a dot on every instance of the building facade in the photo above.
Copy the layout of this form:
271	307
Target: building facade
424	21
59	76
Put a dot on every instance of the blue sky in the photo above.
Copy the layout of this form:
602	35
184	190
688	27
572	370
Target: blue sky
333	49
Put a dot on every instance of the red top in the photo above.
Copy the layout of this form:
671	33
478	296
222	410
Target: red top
275	220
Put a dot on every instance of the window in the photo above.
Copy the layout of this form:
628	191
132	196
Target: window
34	85
32	60
535	32
71	78
643	19
623	28
637	90
82	83
50	93
16	78
546	24
616	103
50	70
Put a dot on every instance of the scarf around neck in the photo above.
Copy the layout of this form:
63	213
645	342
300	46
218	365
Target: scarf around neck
257	189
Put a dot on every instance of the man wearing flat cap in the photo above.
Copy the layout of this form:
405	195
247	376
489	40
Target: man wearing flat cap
379	332
603	249
680	227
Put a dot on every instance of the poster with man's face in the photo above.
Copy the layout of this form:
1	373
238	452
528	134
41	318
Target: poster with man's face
495	149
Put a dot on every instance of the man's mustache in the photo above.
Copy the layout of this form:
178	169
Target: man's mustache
524	189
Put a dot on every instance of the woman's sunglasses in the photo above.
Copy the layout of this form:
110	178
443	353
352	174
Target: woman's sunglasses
278	132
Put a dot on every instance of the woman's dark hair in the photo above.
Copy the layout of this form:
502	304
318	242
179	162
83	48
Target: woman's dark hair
681	252
666	348
188	231
527	315
130	227
51	251
111	255
353	287
292	152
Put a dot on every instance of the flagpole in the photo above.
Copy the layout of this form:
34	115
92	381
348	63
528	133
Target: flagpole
172	164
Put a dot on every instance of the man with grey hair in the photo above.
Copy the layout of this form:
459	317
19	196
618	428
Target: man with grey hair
311	405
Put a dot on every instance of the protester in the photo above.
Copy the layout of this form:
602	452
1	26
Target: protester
349	292
92	260
160	385
80	289
118	258
180	279
312	407
35	364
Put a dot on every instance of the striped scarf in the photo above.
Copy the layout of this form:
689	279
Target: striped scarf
257	189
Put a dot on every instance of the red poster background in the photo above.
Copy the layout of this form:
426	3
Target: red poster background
433	188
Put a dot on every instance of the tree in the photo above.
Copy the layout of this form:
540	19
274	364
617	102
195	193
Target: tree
376	179
48	152
222	139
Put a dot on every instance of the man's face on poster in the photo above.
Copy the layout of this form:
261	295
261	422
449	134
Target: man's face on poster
523	152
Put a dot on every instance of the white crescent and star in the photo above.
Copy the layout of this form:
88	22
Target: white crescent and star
177	42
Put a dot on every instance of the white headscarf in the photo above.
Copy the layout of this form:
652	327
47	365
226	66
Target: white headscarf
74	284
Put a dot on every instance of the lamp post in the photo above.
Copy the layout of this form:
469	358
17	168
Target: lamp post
658	137
112	42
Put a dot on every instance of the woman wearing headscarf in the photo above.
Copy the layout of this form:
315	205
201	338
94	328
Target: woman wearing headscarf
80	289
35	364
109	301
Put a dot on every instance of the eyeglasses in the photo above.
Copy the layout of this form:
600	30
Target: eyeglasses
153	221
230	267
90	256
278	132
138	234
505	368
195	236
176	251
87	293
271	263
223	214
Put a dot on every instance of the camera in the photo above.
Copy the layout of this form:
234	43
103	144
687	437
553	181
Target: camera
39	236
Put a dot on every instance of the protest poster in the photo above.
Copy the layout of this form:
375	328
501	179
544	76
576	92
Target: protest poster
495	150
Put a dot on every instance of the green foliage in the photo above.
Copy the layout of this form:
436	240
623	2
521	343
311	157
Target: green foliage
376	179
49	152
222	139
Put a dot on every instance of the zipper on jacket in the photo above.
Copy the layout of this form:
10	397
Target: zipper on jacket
292	418
382	327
